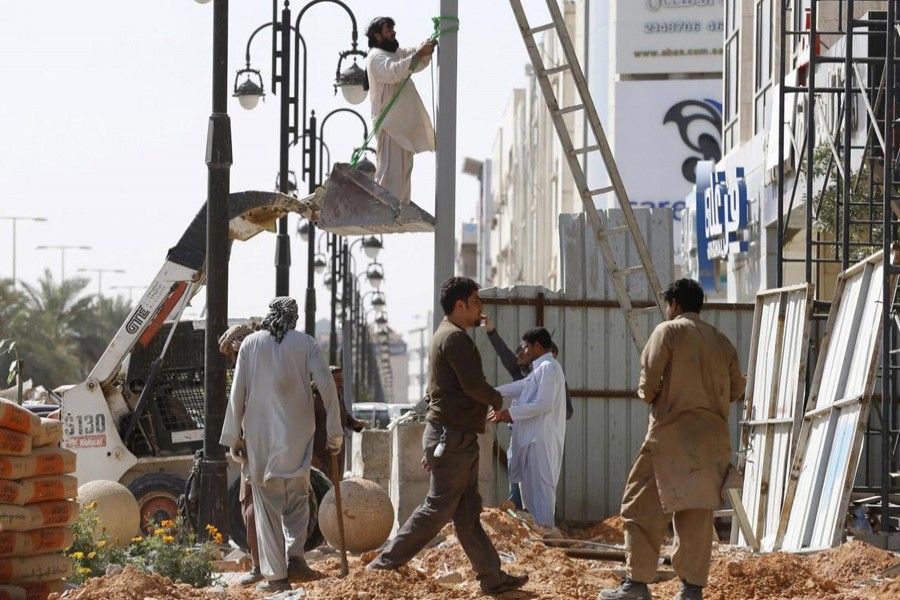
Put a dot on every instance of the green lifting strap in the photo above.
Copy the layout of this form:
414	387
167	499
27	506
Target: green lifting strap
435	34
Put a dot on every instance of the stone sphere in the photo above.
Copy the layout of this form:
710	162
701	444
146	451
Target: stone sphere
117	509
368	515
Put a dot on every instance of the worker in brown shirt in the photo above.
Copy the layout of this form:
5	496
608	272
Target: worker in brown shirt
458	400
690	374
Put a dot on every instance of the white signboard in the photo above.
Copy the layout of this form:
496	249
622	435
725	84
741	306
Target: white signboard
669	36
662	129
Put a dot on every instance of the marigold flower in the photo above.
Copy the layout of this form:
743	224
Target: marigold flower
83	570
219	538
168	523
92	554
77	555
168	539
101	543
137	539
159	531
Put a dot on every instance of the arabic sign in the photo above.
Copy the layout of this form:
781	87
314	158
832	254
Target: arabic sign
669	36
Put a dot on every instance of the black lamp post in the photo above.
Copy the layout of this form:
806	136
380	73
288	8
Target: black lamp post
248	92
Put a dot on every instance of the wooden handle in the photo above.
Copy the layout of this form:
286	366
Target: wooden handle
336	482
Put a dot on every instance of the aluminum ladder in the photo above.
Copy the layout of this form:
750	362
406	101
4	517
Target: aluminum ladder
617	273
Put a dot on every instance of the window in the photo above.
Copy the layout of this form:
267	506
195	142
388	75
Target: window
762	81
732	74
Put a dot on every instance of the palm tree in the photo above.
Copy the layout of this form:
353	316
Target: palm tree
48	329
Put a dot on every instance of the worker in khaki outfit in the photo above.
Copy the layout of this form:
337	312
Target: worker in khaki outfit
689	376
406	129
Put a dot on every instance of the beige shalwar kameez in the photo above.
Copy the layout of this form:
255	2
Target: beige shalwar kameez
690	374
406	129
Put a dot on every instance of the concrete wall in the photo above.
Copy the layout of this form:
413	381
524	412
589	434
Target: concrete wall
371	458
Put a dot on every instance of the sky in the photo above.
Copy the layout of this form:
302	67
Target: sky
103	123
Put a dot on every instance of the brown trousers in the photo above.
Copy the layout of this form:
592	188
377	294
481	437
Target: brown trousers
249	514
453	495
646	526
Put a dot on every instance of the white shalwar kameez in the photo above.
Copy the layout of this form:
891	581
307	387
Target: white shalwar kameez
406	129
272	397
538	412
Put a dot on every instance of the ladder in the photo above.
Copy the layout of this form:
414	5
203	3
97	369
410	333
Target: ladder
617	273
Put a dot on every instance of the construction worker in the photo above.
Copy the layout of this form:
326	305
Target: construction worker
458	400
321	454
272	397
518	365
689	376
406	128
229	345
538	410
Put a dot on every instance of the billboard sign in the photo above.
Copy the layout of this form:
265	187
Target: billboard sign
669	36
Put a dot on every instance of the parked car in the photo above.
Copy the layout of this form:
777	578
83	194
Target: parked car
376	413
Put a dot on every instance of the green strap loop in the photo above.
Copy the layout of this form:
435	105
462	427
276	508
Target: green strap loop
435	34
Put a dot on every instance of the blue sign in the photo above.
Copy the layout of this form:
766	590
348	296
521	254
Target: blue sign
721	217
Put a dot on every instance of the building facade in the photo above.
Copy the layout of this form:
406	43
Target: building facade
654	70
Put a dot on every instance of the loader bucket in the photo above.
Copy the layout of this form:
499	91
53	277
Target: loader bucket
353	204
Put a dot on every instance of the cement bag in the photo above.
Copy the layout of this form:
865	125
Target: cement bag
36	541
57	513
47	460
37	489
13	443
13	416
51	433
35	569
12	592
40	591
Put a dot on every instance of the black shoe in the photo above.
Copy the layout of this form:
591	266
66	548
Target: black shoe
298	569
252	576
689	591
628	590
510	582
378	565
274	585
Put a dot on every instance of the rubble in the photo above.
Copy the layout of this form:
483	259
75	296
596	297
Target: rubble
442	572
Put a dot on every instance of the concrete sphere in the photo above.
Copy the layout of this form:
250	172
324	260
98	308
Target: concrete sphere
368	515
117	509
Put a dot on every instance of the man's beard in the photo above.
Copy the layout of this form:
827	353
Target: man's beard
389	45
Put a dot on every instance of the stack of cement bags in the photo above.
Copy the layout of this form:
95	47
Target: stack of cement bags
36	510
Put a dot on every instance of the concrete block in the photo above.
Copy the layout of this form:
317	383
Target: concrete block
372	456
406	452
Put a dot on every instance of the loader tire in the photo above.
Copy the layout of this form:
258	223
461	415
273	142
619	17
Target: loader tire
157	497
314	538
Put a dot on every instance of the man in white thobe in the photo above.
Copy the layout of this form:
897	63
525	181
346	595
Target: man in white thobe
406	129
272	396
538	411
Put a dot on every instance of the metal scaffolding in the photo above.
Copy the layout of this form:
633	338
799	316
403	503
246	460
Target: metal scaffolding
839	158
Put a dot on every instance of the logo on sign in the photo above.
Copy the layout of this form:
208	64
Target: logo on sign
725	215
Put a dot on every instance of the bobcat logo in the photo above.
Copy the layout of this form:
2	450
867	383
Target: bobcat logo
689	116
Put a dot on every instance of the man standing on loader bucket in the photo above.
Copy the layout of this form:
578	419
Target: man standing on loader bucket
272	396
689	376
405	128
458	400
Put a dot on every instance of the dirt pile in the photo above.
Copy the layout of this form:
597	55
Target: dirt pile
610	531
134	584
849	572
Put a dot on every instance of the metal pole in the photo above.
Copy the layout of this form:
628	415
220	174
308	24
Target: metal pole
445	201
811	139
213	465
310	267
779	240
848	124
283	240
14	253
887	391
332	334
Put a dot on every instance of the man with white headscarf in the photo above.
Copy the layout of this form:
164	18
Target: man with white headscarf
272	396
